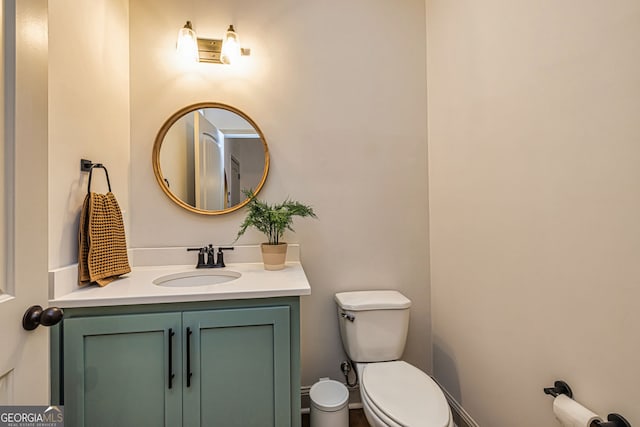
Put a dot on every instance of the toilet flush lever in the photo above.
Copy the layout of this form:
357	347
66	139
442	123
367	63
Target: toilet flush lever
350	317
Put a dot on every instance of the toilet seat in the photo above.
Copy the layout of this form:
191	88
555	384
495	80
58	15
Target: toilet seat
405	395
375	417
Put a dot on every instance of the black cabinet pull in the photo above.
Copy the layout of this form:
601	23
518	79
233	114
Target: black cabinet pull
189	357
171	375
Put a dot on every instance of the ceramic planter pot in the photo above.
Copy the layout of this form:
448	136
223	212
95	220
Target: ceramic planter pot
274	256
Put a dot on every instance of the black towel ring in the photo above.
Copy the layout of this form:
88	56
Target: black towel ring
101	166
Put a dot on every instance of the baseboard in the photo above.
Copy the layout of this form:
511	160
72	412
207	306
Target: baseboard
462	418
351	406
305	400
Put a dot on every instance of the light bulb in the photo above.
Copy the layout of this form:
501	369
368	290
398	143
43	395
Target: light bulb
230	47
187	44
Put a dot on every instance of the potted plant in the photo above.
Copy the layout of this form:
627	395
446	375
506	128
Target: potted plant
273	220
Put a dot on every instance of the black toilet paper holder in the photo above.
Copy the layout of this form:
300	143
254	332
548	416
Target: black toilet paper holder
559	387
613	420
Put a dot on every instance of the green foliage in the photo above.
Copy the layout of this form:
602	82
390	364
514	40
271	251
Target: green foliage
274	219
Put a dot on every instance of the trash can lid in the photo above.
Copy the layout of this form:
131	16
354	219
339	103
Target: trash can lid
329	395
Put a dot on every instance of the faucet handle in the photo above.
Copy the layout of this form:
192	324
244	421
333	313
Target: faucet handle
220	262
201	253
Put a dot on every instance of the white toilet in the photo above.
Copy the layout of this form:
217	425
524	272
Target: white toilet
373	327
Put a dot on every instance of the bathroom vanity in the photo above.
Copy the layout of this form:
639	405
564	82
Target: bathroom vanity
137	353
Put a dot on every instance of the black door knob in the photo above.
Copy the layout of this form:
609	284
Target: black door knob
35	316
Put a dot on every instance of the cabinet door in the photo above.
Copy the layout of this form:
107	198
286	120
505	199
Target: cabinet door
116	370
240	366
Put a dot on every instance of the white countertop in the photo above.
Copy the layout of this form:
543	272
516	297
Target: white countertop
137	287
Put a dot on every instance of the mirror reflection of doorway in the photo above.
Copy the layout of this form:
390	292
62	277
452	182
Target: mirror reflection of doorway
209	164
208	179
235	181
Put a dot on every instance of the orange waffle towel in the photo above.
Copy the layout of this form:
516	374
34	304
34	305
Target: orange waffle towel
102	246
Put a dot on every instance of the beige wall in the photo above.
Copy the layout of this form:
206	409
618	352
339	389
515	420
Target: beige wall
533	175
88	112
338	89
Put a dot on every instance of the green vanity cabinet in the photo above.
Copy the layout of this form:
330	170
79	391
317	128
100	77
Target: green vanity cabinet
239	368
115	370
229	363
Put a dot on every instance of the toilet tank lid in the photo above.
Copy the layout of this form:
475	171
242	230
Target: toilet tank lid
372	300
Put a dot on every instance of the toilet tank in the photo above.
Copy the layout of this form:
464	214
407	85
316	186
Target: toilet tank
373	324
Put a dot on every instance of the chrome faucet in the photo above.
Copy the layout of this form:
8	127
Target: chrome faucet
209	253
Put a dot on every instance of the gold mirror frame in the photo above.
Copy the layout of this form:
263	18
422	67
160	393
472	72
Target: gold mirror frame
158	145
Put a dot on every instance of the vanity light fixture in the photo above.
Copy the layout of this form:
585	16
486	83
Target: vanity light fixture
216	51
187	44
230	47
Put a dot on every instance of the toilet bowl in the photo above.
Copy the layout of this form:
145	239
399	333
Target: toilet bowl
373	328
397	394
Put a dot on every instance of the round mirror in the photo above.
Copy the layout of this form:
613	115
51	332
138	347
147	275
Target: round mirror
206	154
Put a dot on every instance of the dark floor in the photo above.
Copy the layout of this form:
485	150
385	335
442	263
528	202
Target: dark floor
356	419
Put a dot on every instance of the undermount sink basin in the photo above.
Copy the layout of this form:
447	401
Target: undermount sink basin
196	278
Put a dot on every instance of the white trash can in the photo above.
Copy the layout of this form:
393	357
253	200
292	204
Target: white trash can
329	404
